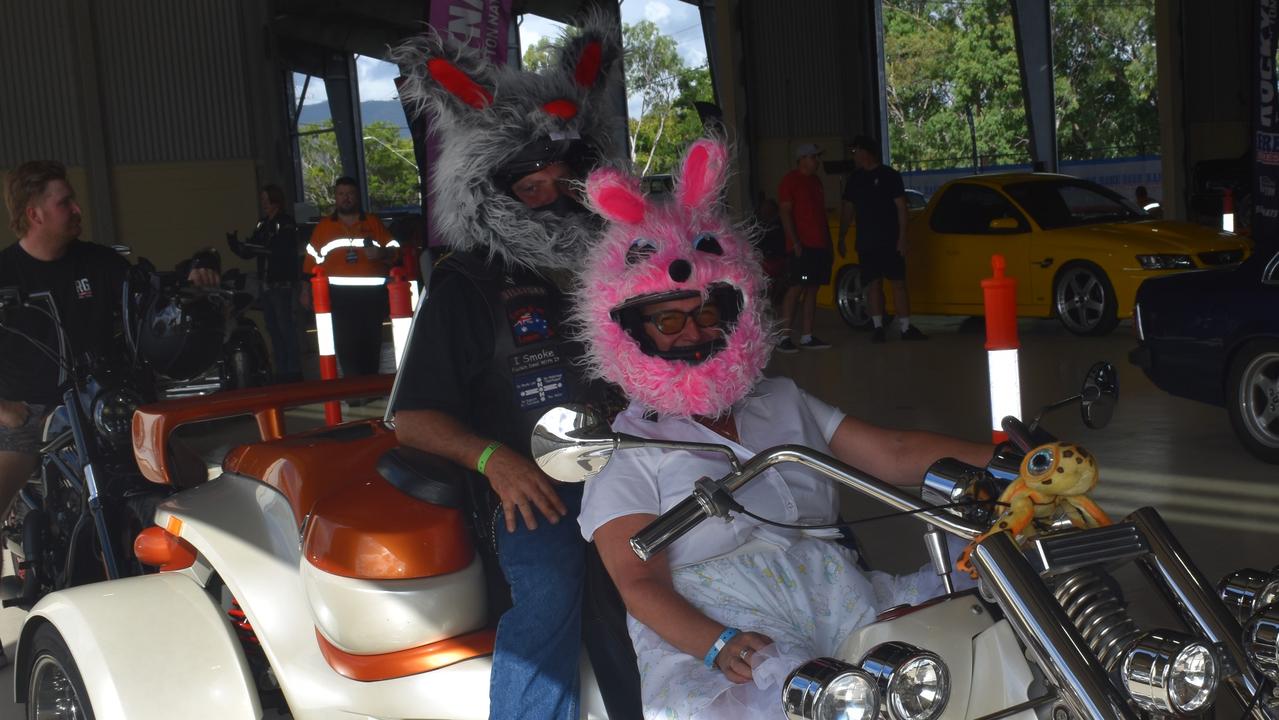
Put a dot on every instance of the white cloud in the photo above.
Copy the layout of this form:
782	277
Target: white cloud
656	12
377	78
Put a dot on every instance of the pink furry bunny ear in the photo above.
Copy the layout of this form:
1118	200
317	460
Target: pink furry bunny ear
616	196
702	174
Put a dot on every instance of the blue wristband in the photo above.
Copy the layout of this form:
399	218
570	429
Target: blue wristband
728	634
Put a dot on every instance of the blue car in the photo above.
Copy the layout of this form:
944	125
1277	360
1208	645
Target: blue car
1213	336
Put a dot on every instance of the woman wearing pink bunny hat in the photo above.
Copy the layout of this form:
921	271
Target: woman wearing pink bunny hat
672	309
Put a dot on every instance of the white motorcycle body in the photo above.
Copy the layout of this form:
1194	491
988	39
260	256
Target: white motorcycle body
160	646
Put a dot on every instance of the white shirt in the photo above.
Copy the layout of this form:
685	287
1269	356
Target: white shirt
651	481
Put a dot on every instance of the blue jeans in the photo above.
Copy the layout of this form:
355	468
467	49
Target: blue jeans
277	309
535	658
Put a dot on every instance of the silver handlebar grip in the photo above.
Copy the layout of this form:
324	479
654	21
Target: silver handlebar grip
668	527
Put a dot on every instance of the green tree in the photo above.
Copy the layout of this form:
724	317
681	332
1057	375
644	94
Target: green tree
539	55
390	166
321	163
667	121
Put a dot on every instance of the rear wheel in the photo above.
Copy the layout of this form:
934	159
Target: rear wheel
55	690
1252	398
1085	300
850	298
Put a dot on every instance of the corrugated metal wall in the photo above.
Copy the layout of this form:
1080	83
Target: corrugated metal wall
807	70
39	115
173	80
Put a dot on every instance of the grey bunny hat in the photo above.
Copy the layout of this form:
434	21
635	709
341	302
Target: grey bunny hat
487	116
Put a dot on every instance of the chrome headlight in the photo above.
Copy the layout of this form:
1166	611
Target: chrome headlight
827	689
1165	261
1166	672
113	413
1261	641
913	683
1246	591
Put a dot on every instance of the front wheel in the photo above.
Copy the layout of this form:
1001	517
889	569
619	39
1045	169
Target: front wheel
55	690
1252	398
1085	300
850	298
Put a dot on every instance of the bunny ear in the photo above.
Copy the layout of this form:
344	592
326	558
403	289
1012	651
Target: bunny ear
588	55
702	174
616	196
441	73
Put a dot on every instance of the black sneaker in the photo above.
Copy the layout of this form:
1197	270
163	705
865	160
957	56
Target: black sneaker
786	346
814	343
878	335
913	333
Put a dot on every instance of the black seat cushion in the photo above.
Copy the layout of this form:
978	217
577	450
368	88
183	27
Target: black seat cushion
426	477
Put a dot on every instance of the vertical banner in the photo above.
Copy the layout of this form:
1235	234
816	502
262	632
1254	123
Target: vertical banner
483	25
1265	190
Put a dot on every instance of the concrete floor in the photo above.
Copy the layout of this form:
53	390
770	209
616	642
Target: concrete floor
1176	455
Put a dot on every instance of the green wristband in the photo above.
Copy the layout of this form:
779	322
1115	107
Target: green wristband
484	456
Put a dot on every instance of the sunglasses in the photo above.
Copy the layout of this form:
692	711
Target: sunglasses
672	322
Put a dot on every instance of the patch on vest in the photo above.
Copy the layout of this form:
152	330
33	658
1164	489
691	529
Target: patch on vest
539	389
530	323
522	362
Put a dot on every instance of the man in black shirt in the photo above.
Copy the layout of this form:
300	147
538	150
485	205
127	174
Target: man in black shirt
275	245
878	196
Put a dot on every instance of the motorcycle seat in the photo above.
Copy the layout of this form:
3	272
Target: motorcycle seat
423	476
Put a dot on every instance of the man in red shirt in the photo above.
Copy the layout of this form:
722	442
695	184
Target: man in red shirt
803	215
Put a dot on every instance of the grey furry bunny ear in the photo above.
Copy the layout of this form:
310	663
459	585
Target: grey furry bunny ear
443	75
590	54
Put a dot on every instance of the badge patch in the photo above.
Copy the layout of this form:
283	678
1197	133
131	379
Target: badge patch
534	360
538	389
529	324
83	290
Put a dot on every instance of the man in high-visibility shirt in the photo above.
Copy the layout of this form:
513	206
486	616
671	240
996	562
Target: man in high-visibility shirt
356	252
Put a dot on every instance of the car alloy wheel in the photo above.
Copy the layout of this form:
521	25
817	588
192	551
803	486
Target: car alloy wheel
1254	398
1084	300
850	298
53	696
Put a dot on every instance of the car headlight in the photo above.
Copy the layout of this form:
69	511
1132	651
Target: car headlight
913	683
1165	672
1165	261
1261	641
828	689
1248	590
113	413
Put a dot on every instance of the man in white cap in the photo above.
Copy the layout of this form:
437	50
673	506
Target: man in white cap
803	213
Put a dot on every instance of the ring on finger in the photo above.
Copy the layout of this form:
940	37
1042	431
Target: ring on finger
745	653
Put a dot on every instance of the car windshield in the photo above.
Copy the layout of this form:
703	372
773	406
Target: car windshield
1070	203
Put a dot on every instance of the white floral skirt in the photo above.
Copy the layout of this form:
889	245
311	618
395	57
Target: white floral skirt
808	597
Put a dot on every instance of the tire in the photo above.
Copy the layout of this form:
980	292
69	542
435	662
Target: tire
1252	398
55	690
1084	299
850	298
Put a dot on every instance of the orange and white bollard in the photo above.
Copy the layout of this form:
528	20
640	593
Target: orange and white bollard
324	338
400	296
1000	294
1228	211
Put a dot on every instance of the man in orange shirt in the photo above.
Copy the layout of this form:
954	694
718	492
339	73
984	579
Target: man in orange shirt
356	251
803	215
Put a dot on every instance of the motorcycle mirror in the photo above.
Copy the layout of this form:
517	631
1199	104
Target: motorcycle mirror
571	443
1099	395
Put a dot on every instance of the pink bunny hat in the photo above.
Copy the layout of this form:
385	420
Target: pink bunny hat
654	251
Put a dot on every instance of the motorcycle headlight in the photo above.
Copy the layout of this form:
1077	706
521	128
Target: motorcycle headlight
1261	641
1165	672
1248	590
1165	261
913	683
827	689
113	413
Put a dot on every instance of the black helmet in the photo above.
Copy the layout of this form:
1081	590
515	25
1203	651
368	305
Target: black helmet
182	334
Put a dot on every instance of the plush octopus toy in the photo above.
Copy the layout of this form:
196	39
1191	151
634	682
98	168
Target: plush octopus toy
1054	478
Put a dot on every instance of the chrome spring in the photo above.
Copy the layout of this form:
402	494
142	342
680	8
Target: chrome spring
1094	606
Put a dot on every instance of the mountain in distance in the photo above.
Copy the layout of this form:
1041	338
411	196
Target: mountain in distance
371	111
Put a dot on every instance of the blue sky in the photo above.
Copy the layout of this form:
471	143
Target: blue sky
673	17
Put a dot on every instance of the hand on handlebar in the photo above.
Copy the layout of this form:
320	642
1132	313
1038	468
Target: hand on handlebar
522	486
13	413
734	659
204	277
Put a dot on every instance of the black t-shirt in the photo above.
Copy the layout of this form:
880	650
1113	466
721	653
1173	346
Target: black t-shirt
872	193
275	244
87	285
450	364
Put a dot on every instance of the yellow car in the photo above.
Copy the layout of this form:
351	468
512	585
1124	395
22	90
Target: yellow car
1077	250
